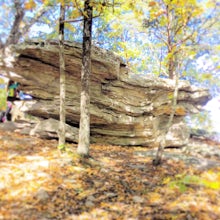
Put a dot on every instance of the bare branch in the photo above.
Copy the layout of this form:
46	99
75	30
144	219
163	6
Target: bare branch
35	18
162	39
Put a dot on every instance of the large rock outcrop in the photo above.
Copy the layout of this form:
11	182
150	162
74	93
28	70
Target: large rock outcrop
126	108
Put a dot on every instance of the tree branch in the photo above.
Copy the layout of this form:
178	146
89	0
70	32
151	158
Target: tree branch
15	33
77	20
36	17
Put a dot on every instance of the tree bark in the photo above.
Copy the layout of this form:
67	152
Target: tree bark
62	130
158	159
170	43
84	130
15	32
171	65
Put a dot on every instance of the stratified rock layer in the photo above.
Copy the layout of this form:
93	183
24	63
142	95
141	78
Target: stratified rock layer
126	108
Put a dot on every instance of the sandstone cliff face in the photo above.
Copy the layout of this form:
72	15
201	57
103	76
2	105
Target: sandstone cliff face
126	109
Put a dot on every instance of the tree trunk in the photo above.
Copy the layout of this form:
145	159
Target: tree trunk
84	130
170	62
171	66
158	159
62	78
15	32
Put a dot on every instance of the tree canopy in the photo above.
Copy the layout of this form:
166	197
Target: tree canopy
148	34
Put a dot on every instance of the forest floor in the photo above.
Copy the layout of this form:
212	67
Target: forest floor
37	182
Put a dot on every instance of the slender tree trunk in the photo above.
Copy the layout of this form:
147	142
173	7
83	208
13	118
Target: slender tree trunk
162	144
171	66
62	123
170	62
84	130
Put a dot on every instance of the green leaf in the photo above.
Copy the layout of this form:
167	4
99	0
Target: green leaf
62	147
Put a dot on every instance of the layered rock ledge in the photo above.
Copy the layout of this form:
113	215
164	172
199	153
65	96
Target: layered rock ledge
126	108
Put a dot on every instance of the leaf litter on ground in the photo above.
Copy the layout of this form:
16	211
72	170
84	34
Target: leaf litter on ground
37	182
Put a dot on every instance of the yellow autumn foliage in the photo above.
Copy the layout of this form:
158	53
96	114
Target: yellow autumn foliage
30	5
